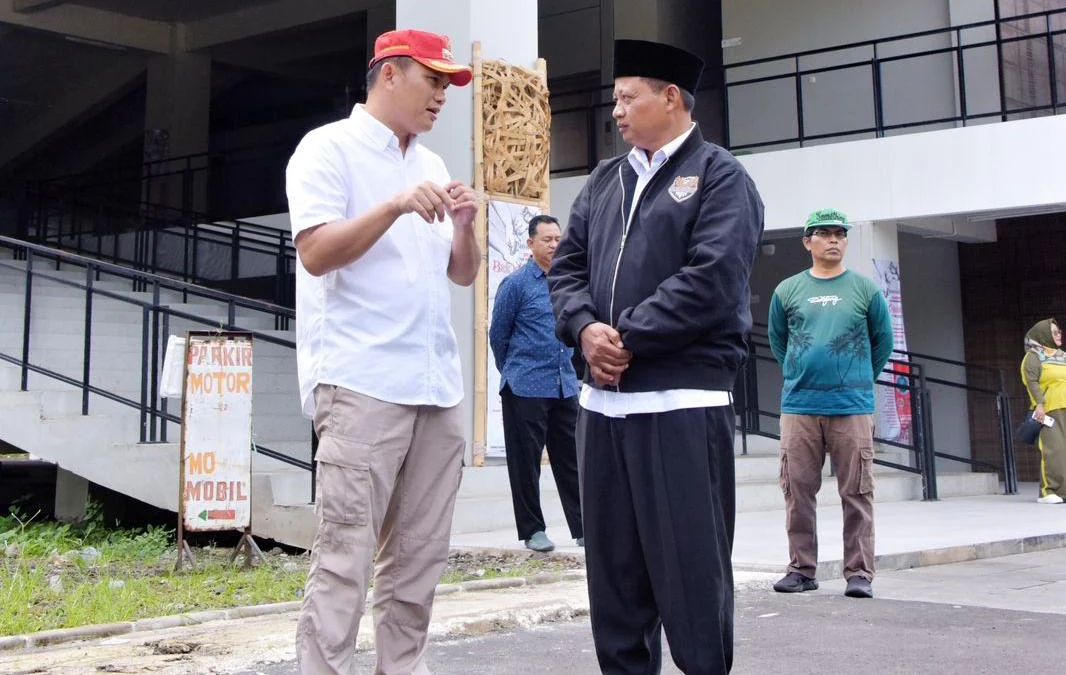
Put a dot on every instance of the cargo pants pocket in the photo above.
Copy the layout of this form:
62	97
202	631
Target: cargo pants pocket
782	478
866	469
344	481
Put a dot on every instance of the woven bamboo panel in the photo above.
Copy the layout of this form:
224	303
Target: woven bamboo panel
517	131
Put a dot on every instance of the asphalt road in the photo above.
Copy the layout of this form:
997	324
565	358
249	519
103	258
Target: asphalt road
967	618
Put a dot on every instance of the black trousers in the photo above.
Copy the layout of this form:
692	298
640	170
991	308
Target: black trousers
528	425
658	500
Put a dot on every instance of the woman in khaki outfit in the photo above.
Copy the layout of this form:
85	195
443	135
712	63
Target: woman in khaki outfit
1044	374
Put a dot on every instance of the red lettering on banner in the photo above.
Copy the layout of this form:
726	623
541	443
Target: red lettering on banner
215	491
193	490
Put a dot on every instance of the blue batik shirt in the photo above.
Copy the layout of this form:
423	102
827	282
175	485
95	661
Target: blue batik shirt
528	355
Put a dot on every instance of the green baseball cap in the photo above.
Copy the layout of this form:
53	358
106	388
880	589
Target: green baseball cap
826	218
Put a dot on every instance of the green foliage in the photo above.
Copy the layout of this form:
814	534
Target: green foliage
51	580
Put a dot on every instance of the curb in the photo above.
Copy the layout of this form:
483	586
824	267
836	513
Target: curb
486	623
96	631
833	569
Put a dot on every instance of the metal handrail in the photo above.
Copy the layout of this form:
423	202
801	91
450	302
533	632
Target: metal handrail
79	221
877	127
916	381
266	150
986	23
154	326
875	62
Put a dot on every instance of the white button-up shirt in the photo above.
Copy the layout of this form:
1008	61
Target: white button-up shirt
620	404
380	326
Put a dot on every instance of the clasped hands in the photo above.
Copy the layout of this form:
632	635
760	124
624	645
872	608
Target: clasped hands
432	202
605	354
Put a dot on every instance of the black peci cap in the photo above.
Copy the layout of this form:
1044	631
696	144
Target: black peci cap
640	58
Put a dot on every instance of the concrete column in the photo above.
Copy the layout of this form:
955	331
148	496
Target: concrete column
72	497
880	241
867	241
177	123
507	31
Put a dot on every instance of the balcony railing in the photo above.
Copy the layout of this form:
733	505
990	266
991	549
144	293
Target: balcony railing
997	70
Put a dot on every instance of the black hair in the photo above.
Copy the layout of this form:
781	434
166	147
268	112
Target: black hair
401	62
688	101
537	220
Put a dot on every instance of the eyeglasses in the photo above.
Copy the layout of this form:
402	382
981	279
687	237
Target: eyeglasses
826	234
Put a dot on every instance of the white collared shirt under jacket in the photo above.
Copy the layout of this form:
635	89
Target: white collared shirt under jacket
380	326
620	404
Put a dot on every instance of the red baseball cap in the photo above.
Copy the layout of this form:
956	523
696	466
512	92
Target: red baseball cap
431	50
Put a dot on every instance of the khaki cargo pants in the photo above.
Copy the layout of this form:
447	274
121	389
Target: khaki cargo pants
387	479
805	439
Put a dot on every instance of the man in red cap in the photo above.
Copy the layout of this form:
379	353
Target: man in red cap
380	228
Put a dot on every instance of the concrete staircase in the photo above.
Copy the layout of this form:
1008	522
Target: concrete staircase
485	499
103	446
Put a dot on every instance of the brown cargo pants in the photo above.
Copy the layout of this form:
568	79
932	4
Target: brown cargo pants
387	479
805	439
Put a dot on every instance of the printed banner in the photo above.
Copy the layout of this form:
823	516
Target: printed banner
893	405
508	250
217	433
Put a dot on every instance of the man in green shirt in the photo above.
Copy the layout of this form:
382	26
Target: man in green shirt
831	332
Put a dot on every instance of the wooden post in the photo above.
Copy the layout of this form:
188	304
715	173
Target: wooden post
184	552
251	550
545	200
481	284
541	69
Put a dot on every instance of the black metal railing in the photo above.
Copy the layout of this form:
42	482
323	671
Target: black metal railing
866	73
868	60
906	372
206	181
193	247
39	263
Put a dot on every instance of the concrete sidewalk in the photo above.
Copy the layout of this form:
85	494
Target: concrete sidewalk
909	534
225	646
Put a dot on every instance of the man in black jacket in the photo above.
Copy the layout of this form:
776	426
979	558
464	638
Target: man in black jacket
651	283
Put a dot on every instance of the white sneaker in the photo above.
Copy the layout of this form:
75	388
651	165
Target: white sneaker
1050	499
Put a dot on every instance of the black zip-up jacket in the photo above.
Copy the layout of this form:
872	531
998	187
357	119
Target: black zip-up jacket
673	280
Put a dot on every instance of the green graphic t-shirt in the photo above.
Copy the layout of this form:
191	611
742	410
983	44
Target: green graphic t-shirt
832	337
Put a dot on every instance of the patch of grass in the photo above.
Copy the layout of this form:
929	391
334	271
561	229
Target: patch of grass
49	577
38	595
52	580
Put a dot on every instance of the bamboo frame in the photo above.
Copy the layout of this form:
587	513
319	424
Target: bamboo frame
512	132
481	284
541	69
516	131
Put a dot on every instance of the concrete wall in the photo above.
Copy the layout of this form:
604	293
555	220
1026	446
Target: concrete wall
781	256
923	178
563	193
956	171
932	316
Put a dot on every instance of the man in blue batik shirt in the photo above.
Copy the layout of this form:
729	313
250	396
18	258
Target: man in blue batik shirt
538	388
